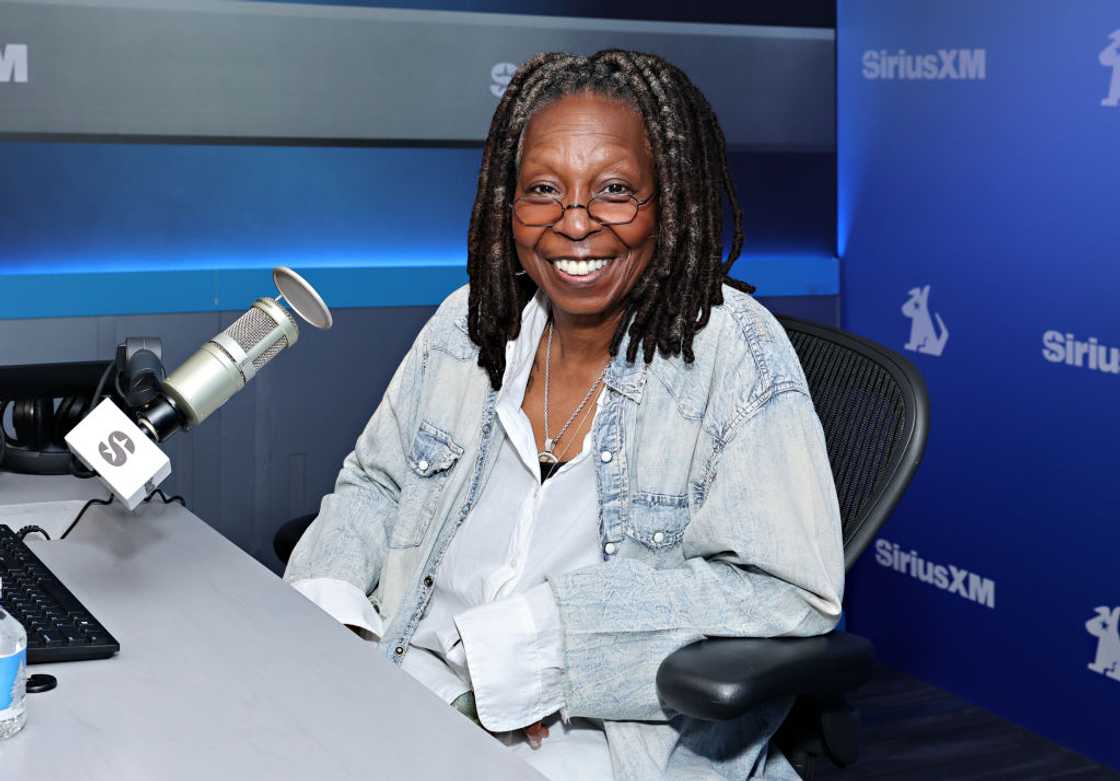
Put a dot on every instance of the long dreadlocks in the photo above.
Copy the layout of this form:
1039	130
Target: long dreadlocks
672	299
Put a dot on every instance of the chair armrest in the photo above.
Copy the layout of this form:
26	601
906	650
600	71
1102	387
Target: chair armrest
722	678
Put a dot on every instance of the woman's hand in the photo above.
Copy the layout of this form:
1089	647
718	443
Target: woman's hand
535	733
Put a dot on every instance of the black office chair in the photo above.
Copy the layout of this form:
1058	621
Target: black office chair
284	542
874	409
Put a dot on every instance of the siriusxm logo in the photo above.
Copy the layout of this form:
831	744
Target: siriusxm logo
13	63
1058	347
500	76
944	64
1110	58
924	337
116	449
1105	626
946	577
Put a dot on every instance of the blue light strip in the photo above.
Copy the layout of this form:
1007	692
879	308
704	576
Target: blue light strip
224	289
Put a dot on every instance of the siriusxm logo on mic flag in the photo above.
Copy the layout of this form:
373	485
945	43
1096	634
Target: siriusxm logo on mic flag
114	450
114	447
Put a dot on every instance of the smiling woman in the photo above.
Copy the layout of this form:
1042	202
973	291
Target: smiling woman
600	450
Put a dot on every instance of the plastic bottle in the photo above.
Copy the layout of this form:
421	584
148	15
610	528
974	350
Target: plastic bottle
13	674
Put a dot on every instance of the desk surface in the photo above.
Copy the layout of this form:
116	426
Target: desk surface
224	672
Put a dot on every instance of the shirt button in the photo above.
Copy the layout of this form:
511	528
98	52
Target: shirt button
399	650
610	548
428	581
422	466
606	456
658	537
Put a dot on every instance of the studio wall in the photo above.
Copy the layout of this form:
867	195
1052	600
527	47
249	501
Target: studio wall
137	209
979	156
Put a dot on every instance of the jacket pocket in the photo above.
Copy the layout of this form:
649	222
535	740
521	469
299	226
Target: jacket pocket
430	460
658	521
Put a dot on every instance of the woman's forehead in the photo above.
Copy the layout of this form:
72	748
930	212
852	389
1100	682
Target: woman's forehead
612	129
586	112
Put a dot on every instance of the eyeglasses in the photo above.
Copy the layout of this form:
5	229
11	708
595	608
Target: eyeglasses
537	210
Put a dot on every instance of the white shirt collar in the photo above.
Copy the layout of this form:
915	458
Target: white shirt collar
521	351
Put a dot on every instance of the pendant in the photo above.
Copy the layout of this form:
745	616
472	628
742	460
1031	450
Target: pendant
546	456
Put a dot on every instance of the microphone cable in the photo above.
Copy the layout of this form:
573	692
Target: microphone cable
107	501
77	468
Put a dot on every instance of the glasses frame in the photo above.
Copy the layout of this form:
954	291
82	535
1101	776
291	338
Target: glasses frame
564	210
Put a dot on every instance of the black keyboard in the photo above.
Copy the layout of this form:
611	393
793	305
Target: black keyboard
59	628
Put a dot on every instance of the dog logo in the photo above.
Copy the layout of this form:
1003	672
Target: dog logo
1110	58
113	450
13	63
1105	626
500	76
923	336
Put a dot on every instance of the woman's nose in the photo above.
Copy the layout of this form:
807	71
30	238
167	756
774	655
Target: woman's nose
576	224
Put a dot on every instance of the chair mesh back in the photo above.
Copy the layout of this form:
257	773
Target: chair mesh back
862	408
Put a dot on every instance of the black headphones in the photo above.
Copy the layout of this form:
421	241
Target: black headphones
35	443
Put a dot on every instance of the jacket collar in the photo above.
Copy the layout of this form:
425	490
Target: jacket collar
629	379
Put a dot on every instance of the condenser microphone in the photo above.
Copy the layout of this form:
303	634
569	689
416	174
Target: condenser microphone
124	454
223	365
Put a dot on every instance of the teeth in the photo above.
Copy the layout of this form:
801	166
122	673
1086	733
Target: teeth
579	268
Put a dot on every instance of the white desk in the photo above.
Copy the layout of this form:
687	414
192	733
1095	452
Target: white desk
225	672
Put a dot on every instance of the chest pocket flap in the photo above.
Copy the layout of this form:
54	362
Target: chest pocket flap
658	521
430	460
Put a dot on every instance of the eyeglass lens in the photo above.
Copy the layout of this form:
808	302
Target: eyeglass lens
540	210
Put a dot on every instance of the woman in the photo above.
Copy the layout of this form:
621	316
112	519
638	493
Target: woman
601	450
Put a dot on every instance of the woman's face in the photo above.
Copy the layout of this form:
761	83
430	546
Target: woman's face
574	149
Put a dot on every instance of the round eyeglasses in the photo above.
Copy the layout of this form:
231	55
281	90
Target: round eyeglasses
543	211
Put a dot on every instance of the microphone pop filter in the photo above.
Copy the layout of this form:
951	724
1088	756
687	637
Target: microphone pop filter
301	297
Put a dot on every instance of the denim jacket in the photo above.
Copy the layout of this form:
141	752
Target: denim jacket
718	516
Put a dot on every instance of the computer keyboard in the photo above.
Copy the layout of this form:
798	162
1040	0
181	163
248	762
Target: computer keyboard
59	628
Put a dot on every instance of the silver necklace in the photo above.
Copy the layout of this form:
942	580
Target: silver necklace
548	455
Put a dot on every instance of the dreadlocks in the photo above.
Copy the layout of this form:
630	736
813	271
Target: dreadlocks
672	299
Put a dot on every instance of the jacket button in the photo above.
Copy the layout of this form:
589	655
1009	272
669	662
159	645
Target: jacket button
422	466
658	537
610	548
606	456
398	650
428	581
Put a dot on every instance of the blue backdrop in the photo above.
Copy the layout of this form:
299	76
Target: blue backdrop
978	163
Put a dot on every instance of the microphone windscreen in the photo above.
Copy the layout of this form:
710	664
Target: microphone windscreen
257	326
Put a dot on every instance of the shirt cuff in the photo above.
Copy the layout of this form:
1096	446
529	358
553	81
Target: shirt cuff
345	602
515	657
437	677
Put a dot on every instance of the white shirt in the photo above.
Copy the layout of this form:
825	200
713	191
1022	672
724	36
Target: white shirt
492	624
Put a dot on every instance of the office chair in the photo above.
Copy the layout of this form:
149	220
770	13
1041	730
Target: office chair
874	409
286	537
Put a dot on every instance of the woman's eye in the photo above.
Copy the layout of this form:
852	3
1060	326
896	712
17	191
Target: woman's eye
619	189
542	189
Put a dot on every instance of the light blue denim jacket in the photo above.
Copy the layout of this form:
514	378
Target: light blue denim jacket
718	516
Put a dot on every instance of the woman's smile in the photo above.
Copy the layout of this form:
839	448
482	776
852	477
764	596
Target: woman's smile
582	271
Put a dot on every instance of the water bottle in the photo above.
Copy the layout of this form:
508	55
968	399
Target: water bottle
13	674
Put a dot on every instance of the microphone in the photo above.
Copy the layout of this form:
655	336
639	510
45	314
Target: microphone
124	455
223	365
